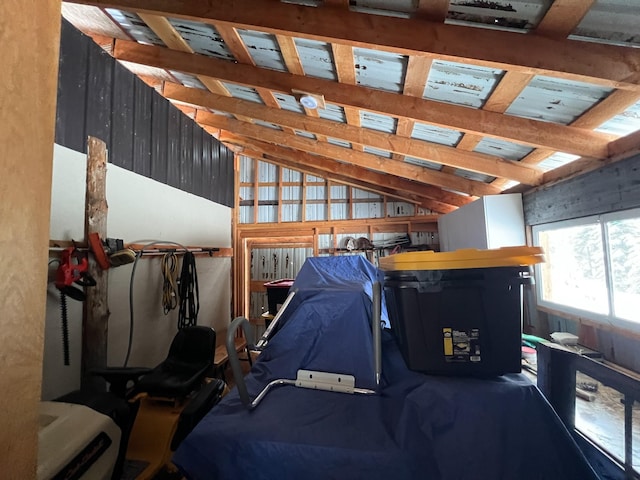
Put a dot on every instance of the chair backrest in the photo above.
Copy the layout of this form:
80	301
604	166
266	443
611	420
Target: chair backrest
189	360
193	345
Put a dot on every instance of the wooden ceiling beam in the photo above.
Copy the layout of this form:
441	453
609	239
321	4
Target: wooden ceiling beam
432	152
563	17
366	160
433	10
290	54
353	175
239	50
531	132
172	39
504	94
337	3
535	54
617	102
346	71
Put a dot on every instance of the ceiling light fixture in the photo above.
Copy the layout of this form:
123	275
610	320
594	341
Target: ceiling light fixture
310	101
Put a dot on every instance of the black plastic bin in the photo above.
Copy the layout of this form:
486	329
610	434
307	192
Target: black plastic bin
459	321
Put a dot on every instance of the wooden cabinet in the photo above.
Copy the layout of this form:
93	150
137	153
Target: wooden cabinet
492	221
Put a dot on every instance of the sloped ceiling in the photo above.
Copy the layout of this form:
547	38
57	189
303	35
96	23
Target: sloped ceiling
445	100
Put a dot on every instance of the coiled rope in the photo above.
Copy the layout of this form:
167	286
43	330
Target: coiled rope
169	266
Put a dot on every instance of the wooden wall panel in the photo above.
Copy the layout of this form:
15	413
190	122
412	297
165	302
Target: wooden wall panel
30	42
143	131
611	188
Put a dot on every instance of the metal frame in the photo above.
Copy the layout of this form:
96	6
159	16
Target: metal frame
305	378
557	369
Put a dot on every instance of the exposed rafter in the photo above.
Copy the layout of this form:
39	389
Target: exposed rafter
532	132
442	154
434	10
562	17
374	162
603	64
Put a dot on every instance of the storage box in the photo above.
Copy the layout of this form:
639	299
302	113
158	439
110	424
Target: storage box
277	292
459	313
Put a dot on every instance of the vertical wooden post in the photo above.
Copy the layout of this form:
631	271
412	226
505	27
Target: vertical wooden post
256	189
304	197
328	200
279	190
96	316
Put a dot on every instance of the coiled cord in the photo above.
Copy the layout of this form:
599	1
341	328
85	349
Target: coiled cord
189	293
169	266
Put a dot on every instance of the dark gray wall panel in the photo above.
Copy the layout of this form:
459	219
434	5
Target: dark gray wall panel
123	119
144	133
173	147
159	143
100	85
226	172
196	173
142	128
215	172
207	179
609	189
72	92
186	152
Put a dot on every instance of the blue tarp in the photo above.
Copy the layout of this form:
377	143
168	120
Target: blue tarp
327	326
419	426
349	273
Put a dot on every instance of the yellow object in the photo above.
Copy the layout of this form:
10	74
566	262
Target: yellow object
467	258
150	440
448	341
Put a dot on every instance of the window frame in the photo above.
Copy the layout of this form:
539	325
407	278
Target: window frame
602	221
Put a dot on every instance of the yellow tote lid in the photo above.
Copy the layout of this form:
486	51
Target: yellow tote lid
467	258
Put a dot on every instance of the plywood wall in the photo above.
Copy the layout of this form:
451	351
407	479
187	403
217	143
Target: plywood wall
30	37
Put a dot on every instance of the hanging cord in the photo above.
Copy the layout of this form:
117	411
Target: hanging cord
189	294
133	273
169	286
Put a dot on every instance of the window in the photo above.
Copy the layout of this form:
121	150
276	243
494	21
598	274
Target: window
592	267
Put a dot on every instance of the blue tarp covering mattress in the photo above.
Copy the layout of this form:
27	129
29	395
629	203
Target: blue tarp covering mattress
419	426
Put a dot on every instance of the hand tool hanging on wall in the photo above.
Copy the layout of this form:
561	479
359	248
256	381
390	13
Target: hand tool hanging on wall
189	294
110	252
275	266
73	268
